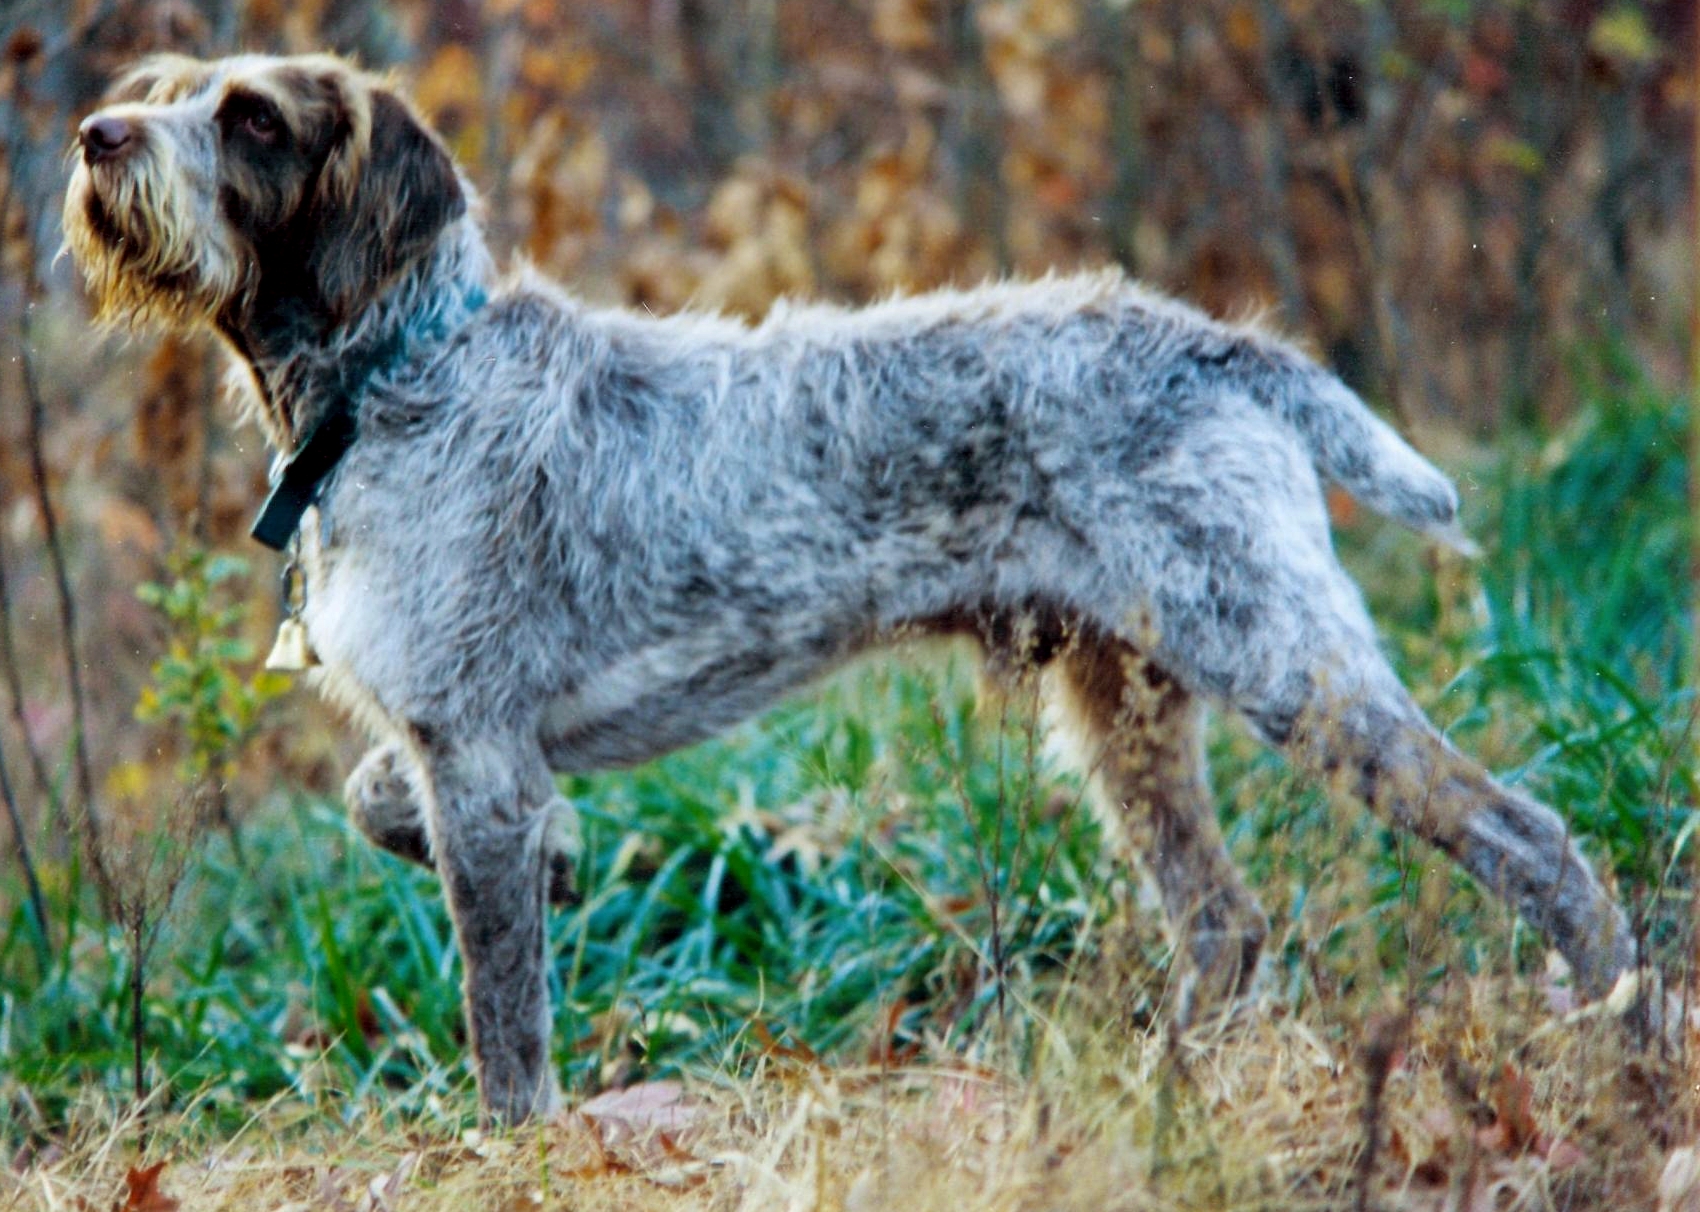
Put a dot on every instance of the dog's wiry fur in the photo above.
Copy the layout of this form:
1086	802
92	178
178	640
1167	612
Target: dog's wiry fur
570	538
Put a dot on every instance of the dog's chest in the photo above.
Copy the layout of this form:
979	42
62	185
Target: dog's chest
357	627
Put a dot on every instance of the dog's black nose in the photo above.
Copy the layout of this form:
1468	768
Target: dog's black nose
104	137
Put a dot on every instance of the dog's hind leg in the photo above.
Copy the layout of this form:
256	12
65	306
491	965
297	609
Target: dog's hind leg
1238	596
1141	741
490	802
1373	741
384	804
1311	678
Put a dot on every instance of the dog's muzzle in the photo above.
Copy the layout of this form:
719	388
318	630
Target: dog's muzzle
106	137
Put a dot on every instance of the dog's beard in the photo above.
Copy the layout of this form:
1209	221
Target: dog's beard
149	254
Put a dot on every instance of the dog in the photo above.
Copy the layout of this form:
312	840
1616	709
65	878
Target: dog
536	536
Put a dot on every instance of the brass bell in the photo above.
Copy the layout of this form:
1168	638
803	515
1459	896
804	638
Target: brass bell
291	653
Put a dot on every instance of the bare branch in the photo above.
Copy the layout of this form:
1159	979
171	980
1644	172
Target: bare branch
11	671
38	903
87	817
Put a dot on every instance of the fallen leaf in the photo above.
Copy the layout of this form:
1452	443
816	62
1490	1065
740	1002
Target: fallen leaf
330	1191
591	1157
1562	1154
1513	1129
643	1108
649	1124
144	1194
773	1048
383	1192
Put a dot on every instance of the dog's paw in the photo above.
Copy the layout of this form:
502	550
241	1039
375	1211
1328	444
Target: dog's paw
380	781
561	848
383	805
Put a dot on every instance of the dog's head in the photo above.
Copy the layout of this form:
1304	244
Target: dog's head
203	190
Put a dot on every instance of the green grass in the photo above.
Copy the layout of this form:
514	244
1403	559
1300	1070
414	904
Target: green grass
814	871
824	878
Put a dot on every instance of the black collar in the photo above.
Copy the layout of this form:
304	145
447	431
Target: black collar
298	480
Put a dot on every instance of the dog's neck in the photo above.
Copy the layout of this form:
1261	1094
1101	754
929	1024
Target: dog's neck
303	365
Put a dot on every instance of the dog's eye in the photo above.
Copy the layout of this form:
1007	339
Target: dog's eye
254	117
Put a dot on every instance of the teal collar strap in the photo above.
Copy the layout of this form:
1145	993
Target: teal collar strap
297	481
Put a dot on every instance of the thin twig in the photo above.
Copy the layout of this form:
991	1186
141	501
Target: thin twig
994	893
1694	411
1384	1037
8	642
1360	223
10	670
88	814
38	903
87	819
156	865
138	985
985	867
1381	304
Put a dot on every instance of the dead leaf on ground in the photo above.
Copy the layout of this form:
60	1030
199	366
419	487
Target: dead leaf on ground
642	1109
796	1052
1513	1129
144	1194
383	1193
330	1190
635	1129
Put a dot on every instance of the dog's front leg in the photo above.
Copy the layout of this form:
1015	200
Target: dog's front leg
490	803
385	806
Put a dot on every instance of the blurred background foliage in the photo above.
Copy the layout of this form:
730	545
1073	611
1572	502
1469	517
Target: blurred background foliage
1478	210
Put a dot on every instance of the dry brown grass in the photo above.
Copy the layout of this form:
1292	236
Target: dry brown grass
1490	1102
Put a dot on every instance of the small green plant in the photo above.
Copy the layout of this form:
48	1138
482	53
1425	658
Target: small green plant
200	698
198	685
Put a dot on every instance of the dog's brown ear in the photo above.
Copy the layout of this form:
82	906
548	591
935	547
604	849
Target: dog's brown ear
386	190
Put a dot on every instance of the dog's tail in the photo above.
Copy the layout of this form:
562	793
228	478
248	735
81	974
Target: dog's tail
1362	454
